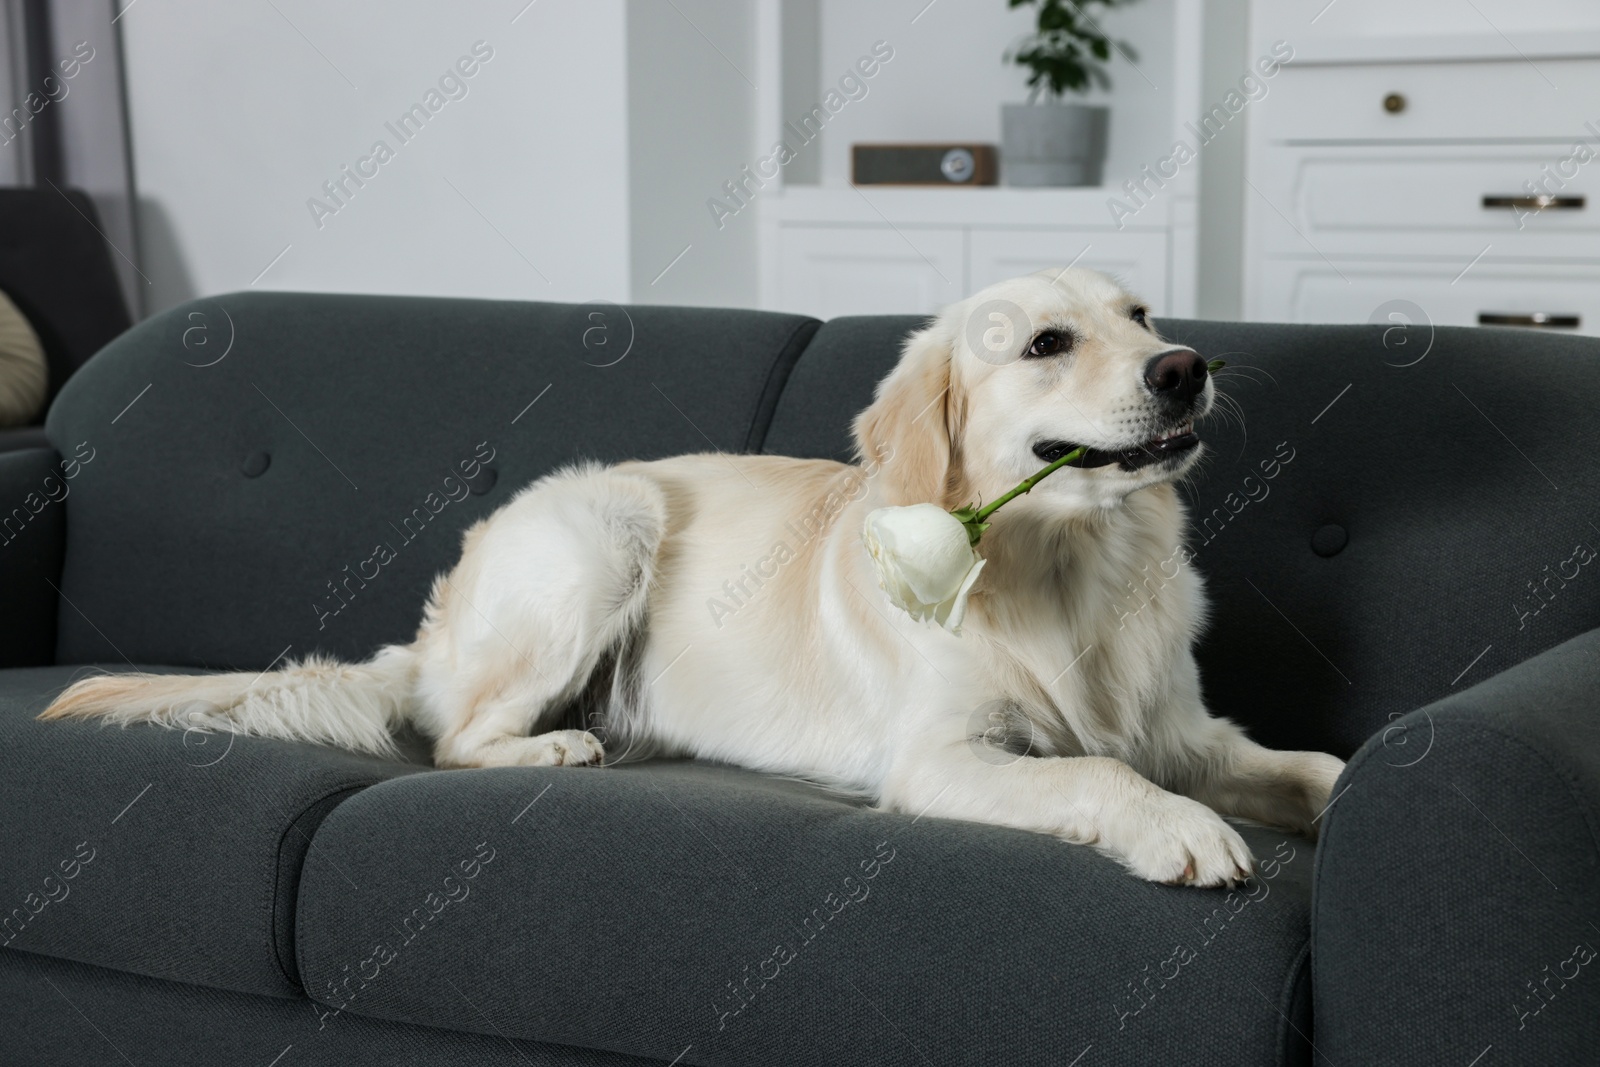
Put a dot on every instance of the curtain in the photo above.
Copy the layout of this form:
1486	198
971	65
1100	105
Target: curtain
63	118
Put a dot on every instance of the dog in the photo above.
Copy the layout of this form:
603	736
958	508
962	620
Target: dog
724	607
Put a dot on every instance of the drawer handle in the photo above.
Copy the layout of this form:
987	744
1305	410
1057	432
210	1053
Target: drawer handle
1542	202
1539	319
1394	103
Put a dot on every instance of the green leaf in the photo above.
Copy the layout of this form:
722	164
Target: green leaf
968	517
1215	365
1059	52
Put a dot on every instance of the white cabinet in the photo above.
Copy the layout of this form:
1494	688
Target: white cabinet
1428	199
830	252
1137	260
833	271
1412	169
1435	100
1494	294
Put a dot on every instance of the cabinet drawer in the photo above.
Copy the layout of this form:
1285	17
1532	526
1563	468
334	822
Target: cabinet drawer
1459	101
828	271
1426	201
1137	260
1315	292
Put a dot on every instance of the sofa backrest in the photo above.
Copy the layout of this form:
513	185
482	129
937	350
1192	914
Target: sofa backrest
1388	514
270	470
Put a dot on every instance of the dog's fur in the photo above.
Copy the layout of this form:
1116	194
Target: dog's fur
654	594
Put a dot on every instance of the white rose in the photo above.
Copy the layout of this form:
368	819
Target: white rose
925	561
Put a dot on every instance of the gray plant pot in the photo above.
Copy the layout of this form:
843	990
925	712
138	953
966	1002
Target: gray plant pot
1052	144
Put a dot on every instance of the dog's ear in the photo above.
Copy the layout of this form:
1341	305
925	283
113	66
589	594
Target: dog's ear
910	431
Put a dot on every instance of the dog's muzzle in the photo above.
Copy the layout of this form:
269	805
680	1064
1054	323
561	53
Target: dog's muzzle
1156	450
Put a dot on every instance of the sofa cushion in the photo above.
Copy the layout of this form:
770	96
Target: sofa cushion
165	853
1385	513
59	1014
287	469
705	915
23	437
33	482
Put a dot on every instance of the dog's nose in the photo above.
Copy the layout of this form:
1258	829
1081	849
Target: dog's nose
1177	375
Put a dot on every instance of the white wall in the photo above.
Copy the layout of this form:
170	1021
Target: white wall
799	55
1225	58
238	117
692	98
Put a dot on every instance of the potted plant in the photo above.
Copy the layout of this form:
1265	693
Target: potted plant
1046	141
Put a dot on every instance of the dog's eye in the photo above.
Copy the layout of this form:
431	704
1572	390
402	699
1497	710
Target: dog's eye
1049	343
1138	314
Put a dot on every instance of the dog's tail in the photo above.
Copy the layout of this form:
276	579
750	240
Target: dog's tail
352	706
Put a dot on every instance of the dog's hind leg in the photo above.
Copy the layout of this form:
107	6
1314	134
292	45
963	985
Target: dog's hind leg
545	589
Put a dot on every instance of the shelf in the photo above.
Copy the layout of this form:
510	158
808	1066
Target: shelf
998	206
1447	47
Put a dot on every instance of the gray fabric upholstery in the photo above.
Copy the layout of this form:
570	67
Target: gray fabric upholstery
24	437
257	474
59	1014
194	842
833	381
621	907
1458	884
1445	519
32	539
1457	480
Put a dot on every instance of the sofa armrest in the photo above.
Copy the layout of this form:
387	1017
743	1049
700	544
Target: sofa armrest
1457	890
33	527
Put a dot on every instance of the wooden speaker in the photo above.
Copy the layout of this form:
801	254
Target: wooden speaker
923	164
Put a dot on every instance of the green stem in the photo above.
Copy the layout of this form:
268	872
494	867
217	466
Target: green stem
1027	484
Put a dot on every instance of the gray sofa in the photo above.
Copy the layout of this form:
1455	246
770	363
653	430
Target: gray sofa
55	265
1389	543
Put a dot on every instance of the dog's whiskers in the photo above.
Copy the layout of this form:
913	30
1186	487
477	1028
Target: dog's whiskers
1229	410
1240	369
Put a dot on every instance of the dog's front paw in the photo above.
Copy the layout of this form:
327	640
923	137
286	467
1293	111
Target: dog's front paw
1179	841
1318	773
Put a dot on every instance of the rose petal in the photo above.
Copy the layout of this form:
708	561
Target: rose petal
954	610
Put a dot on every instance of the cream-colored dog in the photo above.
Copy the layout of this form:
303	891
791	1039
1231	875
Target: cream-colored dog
724	607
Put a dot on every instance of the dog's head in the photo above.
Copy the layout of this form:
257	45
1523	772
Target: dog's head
1023	373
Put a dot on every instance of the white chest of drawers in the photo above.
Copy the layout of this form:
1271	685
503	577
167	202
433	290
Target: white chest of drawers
831	252
1461	174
